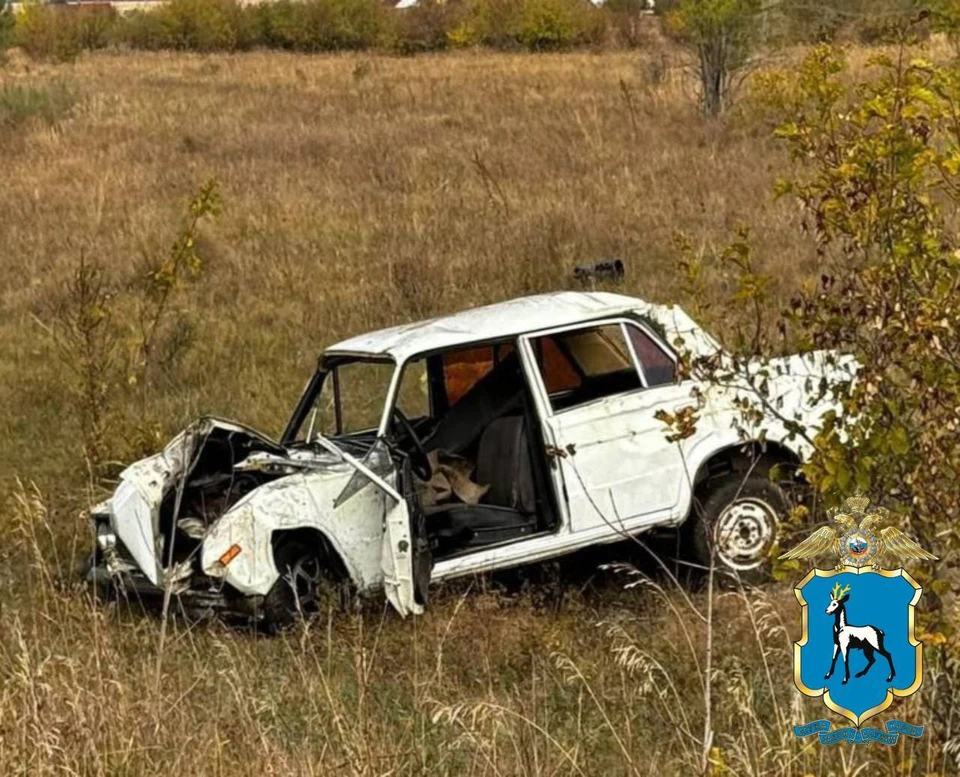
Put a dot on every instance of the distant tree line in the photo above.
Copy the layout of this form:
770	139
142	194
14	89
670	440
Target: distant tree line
62	32
724	37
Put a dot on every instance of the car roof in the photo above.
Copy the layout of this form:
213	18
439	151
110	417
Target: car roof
498	321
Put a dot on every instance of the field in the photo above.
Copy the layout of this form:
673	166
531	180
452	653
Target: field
361	191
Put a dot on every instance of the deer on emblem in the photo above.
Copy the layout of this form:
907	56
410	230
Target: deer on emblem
869	639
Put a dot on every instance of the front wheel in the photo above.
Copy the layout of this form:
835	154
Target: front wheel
736	524
307	584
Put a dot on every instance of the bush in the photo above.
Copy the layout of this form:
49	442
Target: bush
277	23
333	25
21	102
143	30
60	33
556	24
48	32
424	27
194	25
94	25
533	24
488	22
7	23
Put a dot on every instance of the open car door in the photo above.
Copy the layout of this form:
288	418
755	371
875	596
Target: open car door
406	560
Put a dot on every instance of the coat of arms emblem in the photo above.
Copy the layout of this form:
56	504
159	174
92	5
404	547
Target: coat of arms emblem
858	650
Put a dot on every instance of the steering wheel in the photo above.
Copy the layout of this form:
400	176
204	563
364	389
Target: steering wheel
419	461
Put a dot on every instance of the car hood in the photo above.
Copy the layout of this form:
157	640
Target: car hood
150	486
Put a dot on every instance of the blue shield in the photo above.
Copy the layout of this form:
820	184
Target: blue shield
873	622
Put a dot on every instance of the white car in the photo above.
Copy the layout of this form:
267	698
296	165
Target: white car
499	436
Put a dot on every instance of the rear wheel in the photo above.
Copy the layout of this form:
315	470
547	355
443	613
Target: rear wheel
309	583
735	523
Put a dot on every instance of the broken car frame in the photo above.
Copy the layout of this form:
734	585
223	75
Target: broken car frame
550	401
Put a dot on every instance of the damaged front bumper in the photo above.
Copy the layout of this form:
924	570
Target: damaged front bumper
112	572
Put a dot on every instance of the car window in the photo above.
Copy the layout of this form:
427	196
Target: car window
559	373
462	369
363	387
599	351
658	367
413	394
582	365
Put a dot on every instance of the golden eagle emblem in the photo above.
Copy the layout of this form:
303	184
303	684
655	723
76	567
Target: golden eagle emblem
856	540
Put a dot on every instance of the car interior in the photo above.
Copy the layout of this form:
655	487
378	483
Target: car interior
470	410
482	411
482	414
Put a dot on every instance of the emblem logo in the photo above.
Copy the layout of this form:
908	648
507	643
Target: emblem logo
857	649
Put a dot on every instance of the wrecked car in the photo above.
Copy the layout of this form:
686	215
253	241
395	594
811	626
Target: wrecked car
492	438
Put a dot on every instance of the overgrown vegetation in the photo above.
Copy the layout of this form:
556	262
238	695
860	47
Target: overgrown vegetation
48	103
877	182
7	24
106	357
360	192
60	33
723	35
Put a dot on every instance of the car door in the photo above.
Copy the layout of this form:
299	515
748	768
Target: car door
600	386
406	560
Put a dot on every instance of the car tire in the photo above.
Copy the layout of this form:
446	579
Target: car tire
308	584
734	520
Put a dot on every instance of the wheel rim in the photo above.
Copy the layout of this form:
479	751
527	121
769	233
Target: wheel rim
744	533
304	579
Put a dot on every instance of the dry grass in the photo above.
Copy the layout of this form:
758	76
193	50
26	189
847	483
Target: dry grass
360	192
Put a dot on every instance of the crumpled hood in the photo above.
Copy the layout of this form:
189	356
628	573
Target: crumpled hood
134	508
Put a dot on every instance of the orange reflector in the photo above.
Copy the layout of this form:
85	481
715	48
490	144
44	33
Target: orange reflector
232	552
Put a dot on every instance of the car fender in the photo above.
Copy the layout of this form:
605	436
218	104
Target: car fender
354	530
716	442
790	387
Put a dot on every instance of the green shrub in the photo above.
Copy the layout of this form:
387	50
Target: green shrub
21	102
425	26
532	24
492	23
94	25
58	32
207	25
277	22
7	24
143	30
556	24
48	32
332	25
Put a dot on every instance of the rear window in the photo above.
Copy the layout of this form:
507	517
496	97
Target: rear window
583	365
658	367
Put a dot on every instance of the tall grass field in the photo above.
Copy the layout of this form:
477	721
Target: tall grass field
361	190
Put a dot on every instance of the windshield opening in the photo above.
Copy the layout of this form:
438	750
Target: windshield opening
348	402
